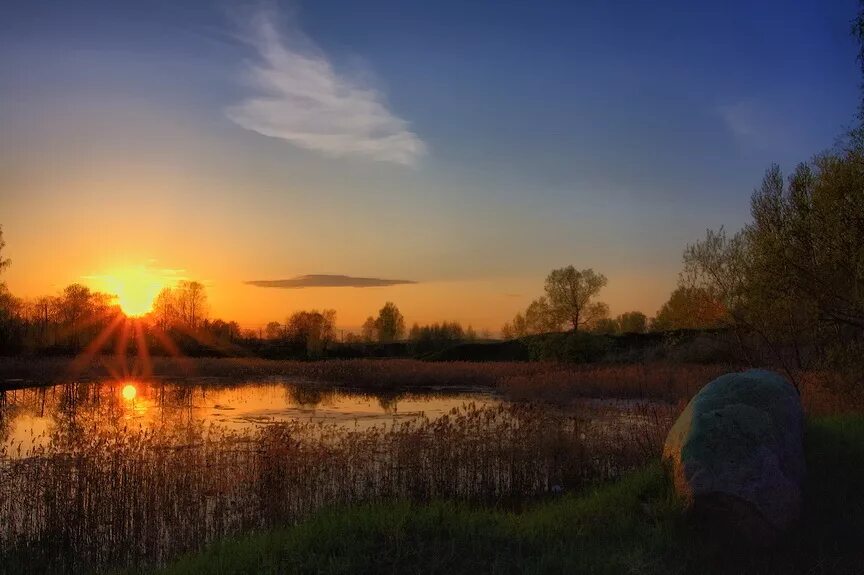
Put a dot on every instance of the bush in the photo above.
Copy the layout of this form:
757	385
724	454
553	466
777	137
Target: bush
571	347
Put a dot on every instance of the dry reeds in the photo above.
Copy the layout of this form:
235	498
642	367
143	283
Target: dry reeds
144	496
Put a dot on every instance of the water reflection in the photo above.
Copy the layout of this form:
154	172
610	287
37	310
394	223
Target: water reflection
30	419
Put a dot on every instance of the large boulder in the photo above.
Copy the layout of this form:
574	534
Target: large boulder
736	455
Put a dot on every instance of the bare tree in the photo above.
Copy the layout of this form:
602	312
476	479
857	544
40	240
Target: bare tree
191	303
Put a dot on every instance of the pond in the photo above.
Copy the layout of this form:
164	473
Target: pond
116	473
31	418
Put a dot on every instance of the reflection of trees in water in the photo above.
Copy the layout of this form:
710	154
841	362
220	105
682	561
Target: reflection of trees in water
5	419
178	395
308	396
388	401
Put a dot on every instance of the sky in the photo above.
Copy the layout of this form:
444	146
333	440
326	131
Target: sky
441	155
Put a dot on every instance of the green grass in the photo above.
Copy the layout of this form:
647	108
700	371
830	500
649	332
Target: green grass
633	526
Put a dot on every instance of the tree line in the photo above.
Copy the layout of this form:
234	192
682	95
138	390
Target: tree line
570	303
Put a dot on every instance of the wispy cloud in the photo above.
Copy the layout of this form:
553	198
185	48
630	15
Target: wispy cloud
327	280
740	119
299	97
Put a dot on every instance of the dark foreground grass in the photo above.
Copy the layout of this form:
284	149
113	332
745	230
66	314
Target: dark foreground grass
633	526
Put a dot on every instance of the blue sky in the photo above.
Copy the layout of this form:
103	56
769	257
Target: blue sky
468	146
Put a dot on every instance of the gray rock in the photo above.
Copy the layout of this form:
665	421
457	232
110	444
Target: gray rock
736	454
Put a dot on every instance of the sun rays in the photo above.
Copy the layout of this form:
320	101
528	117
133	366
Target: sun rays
135	288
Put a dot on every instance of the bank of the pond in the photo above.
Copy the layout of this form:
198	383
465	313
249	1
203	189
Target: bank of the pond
632	526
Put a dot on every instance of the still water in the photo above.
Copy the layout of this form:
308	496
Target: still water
32	418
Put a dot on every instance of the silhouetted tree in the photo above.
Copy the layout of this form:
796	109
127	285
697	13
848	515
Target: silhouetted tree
632	322
570	291
191	302
689	308
389	325
273	330
4	263
368	332
313	330
604	326
10	307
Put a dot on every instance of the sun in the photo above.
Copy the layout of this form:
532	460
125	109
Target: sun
129	392
135	288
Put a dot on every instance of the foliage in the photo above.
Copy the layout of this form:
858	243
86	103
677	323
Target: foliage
309	331
632	322
605	326
567	301
570	292
690	307
539	318
573	347
389	325
4	263
437	336
794	276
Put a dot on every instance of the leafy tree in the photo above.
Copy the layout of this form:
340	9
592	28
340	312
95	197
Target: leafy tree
313	330
605	326
390	325
470	334
689	308
4	263
632	322
368	332
570	292
273	330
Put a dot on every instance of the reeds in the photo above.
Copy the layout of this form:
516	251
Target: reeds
120	499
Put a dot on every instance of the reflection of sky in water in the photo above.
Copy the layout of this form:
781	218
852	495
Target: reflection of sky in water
32	417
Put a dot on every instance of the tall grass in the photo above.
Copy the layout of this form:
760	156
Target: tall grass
144	496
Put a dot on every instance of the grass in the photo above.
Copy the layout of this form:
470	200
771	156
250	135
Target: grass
635	525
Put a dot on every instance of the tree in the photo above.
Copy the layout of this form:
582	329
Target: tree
540	317
605	326
4	263
191	303
689	308
390	325
570	291
470	333
312	330
632	322
368	332
9	305
82	314
164	313
273	330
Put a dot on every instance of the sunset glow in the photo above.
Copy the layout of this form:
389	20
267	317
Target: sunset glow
135	288
129	392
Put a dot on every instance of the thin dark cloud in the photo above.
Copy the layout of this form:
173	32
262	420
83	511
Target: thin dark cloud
327	280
